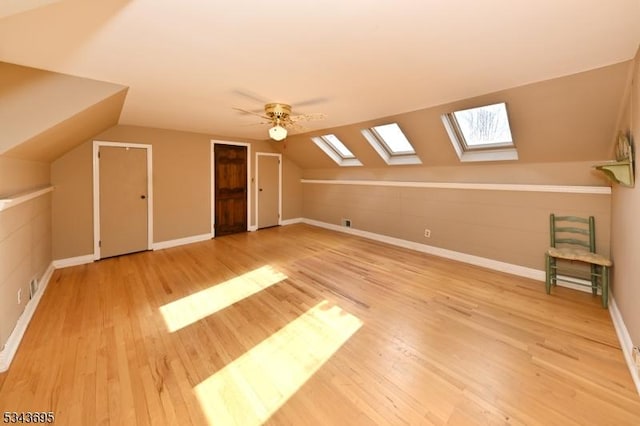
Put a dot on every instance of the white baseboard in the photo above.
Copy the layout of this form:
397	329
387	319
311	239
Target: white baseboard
73	261
293	221
521	271
181	241
625	341
11	347
252	228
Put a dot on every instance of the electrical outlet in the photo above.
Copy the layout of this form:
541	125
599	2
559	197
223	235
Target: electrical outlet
346	223
33	287
636	356
427	233
19	296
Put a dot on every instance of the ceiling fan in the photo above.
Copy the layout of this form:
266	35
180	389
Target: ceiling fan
278	115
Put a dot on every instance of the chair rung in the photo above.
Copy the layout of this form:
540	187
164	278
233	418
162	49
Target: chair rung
569	280
583	275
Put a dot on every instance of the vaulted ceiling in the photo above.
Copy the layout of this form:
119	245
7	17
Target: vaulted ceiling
187	63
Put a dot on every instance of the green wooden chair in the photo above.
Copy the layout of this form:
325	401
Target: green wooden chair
574	239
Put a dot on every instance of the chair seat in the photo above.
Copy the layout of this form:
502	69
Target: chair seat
578	254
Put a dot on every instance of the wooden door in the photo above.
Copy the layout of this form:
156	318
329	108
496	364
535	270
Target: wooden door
230	163
268	190
123	200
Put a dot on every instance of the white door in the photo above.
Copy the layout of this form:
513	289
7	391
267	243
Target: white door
268	190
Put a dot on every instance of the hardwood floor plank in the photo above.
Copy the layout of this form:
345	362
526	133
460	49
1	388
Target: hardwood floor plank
428	340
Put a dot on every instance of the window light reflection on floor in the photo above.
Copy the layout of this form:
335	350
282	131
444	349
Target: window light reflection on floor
190	309
253	387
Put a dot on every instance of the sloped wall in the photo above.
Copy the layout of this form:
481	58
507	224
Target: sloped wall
566	119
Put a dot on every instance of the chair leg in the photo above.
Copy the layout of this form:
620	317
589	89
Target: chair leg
594	280
547	282
605	287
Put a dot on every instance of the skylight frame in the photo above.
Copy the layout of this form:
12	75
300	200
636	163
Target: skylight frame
326	145
493	151
384	149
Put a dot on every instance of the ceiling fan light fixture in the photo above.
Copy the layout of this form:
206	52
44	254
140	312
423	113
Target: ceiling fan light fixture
277	133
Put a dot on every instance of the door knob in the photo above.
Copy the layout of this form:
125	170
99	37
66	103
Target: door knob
143	197
260	189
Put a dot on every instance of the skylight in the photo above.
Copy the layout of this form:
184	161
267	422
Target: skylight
393	138
481	133
338	146
336	150
391	144
484	126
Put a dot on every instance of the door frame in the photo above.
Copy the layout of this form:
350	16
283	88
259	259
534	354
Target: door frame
279	156
96	191
213	182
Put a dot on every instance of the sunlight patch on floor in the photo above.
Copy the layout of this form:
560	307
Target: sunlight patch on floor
253	387
190	309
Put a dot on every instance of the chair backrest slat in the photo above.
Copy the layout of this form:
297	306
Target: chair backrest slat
571	230
572	219
562	232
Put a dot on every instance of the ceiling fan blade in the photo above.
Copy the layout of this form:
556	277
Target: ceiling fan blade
309	102
252	113
308	117
251	95
292	125
261	123
298	127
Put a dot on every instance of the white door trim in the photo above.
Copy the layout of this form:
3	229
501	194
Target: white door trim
96	192
213	186
269	154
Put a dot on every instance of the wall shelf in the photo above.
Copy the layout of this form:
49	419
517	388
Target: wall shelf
620	171
17	199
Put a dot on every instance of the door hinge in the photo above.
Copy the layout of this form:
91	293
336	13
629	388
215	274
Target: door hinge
100	243
98	154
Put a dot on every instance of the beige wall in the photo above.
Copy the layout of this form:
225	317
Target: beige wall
72	207
21	175
507	226
568	173
181	187
291	190
625	223
25	238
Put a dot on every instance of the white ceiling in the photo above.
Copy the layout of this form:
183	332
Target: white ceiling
188	62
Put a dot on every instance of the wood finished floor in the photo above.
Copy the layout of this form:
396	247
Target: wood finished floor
358	332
